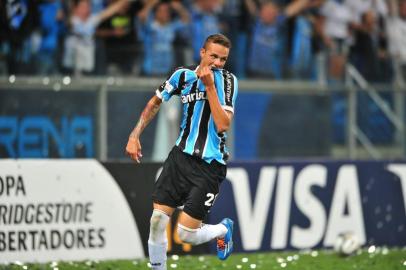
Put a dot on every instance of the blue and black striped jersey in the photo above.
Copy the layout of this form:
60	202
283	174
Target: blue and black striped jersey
198	133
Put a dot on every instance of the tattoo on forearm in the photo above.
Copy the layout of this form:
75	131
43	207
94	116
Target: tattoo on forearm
146	116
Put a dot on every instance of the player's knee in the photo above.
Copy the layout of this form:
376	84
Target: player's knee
159	221
187	235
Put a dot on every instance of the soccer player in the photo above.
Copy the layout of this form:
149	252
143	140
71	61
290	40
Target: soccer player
196	165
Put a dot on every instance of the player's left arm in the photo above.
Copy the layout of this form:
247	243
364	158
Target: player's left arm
222	118
133	148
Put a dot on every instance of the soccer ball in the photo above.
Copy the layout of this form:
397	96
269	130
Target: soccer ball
346	244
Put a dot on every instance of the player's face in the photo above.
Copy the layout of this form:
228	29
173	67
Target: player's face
214	55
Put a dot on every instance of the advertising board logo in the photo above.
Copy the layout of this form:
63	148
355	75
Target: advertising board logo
325	210
35	136
50	210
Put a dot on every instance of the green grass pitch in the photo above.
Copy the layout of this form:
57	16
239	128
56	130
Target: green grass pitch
366	259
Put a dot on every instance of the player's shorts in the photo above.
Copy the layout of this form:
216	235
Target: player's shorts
189	181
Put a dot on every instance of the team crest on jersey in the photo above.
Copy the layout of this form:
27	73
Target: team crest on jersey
196	96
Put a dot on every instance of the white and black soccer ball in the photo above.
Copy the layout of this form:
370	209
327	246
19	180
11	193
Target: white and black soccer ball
346	244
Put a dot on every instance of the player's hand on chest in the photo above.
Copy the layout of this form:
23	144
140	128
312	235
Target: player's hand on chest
206	75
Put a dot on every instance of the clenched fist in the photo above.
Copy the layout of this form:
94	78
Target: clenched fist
206	75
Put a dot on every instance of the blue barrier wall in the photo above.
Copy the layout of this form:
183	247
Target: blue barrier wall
54	124
43	124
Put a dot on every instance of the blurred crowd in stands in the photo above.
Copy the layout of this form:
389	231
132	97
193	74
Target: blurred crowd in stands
279	39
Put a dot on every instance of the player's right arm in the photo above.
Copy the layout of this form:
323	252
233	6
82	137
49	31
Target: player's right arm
163	93
133	148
